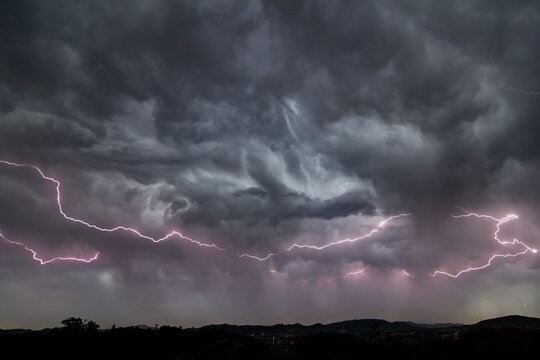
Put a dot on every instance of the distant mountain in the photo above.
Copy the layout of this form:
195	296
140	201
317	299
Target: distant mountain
143	327
15	331
435	326
509	321
362	326
25	331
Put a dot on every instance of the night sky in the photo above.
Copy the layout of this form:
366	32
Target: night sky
256	125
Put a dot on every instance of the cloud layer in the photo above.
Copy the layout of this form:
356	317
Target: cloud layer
258	124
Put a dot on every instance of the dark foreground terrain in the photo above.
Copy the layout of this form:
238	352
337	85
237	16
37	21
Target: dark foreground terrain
509	337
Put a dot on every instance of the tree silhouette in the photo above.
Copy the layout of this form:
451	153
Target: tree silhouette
92	326
73	325
77	325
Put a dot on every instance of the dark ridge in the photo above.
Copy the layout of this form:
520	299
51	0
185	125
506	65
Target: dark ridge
505	337
509	321
361	326
357	325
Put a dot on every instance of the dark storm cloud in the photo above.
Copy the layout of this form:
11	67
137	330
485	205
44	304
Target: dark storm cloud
43	130
258	124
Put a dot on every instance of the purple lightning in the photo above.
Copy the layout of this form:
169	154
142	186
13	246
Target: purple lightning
379	227
67	217
322	247
499	222
173	233
353	273
43	262
349	274
404	272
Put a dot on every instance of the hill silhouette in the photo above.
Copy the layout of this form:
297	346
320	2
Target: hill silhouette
511	320
352	339
361	326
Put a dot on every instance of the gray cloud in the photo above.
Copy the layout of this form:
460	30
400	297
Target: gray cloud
258	124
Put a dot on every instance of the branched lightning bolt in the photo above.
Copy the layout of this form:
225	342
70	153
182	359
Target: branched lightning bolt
92	226
172	233
43	262
322	247
379	227
499	222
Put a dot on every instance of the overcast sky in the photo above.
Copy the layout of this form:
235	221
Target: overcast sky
256	125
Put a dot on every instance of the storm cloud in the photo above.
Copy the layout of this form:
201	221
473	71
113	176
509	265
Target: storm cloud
254	125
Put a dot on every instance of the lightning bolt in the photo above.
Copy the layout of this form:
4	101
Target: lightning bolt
322	247
172	233
529	93
499	223
177	234
535	94
353	273
349	274
404	272
43	262
92	226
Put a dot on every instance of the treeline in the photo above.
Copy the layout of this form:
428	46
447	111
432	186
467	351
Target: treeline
82	339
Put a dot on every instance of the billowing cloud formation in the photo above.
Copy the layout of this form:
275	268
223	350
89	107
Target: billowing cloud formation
258	124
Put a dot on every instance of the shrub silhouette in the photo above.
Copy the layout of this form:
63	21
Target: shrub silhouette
91	326
77	325
73	325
